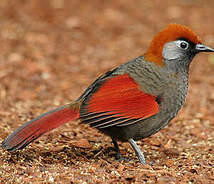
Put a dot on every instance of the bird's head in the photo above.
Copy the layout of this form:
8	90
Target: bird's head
175	46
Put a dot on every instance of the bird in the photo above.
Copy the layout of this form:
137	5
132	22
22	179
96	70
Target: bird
132	101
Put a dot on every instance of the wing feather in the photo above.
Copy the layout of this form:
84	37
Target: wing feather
118	102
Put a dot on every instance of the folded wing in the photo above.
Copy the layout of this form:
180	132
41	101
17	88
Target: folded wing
118	102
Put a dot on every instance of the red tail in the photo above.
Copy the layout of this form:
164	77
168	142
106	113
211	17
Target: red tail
33	129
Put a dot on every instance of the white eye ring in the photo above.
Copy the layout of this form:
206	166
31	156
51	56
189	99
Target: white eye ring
182	44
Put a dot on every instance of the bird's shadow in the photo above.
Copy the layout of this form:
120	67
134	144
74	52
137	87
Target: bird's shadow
66	154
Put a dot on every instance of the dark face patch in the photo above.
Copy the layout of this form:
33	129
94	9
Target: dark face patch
191	48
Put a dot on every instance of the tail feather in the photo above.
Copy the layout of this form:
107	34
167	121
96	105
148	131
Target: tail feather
33	129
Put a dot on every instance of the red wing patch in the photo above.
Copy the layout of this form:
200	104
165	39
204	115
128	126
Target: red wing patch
118	101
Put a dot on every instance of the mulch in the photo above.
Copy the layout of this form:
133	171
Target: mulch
50	51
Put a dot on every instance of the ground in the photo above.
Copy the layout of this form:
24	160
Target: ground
50	51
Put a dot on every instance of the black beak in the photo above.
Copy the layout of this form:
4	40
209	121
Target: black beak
203	48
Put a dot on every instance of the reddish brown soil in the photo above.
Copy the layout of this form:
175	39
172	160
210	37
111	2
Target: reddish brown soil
50	51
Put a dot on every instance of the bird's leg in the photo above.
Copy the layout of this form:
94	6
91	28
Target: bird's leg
117	149
138	151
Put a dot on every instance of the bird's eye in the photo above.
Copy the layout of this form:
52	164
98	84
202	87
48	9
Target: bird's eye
182	44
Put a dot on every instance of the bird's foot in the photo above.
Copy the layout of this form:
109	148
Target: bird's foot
120	158
142	159
151	163
138	151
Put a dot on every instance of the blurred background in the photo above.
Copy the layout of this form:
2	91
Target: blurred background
51	50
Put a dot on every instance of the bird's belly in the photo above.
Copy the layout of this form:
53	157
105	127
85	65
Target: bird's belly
168	110
147	127
139	130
